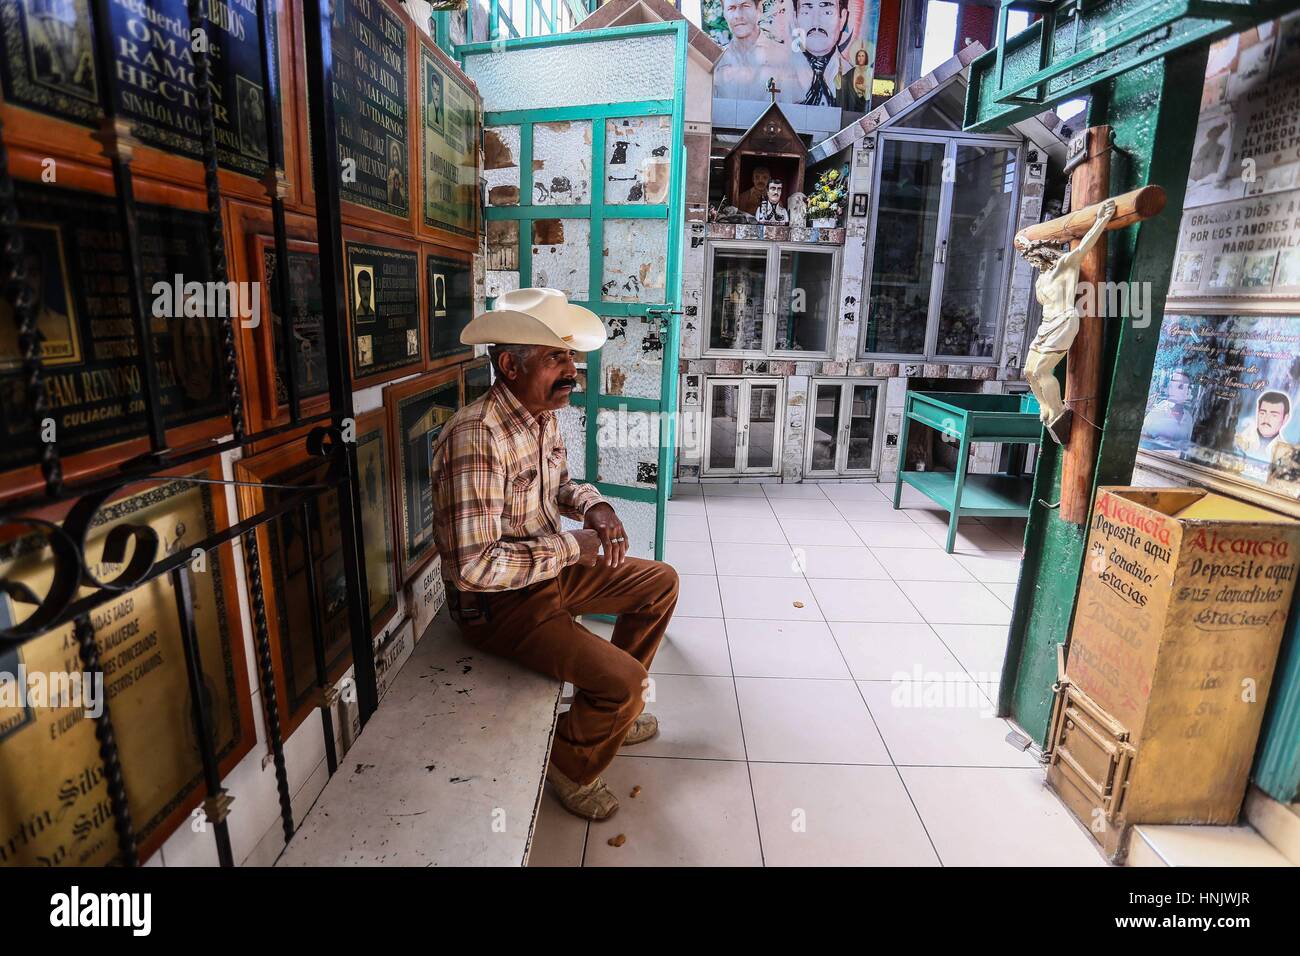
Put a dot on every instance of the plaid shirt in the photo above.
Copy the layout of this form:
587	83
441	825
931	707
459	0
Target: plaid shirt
500	483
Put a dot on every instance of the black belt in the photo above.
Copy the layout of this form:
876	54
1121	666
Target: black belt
466	607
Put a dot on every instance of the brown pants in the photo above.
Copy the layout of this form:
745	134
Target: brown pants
535	627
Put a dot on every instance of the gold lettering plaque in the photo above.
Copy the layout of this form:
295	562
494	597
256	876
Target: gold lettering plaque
54	801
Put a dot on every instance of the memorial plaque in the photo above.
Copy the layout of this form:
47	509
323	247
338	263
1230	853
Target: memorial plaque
306	346
284	557
449	128
449	292
48	65
376	514
383	303
94	379
55	808
370	105
417	411
285	584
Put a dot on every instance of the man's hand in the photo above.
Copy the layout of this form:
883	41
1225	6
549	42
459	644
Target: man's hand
601	519
1107	211
588	547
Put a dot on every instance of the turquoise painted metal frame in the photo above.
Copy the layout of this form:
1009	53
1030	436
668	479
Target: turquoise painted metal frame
597	212
968	418
1075	47
537	14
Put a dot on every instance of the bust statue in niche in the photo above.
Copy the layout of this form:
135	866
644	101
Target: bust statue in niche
770	211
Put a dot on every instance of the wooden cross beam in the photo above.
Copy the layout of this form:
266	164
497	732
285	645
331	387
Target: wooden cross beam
1130	207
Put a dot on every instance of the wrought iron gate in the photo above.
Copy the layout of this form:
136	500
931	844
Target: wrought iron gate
58	516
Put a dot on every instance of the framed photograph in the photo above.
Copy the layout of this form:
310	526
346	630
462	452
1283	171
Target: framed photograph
449	302
859	204
417	410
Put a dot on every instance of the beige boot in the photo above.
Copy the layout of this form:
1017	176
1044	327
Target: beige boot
591	801
645	727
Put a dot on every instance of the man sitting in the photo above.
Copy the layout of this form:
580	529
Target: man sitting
515	580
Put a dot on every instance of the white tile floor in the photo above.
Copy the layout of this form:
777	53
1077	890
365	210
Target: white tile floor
825	696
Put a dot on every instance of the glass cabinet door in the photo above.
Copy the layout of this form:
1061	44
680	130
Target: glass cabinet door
976	262
902	266
804	299
860	427
842	427
724	420
739	298
744	427
825	431
761	427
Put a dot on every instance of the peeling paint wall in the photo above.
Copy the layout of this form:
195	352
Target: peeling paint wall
638	159
562	256
562	163
635	260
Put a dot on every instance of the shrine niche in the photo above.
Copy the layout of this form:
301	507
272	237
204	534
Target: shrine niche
769	151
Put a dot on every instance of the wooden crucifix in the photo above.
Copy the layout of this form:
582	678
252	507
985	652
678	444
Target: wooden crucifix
1064	329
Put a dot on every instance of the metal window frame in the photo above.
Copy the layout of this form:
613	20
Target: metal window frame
841	468
771	282
951	143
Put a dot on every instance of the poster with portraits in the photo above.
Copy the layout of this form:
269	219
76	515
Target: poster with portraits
1220	410
1223	397
818	52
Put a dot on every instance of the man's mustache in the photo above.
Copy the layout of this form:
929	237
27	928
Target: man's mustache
561	383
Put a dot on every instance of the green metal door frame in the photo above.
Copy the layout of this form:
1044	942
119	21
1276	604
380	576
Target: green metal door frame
597	211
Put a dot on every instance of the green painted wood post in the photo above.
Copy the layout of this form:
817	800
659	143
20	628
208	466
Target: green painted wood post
1154	110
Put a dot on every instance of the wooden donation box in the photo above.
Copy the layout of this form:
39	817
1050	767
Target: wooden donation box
1180	615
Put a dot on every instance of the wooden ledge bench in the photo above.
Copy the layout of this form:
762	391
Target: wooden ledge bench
448	771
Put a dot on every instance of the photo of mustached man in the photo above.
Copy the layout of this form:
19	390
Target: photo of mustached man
818	66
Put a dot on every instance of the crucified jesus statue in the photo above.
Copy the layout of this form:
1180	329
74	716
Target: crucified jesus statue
1056	290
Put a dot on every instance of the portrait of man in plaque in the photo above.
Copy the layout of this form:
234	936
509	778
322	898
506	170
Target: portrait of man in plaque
194	355
1187	270
433	97
1288	269
58	45
1258	271
1258	435
47	277
363	291
396	173
252	118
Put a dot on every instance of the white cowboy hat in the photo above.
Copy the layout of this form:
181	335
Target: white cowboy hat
536	317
